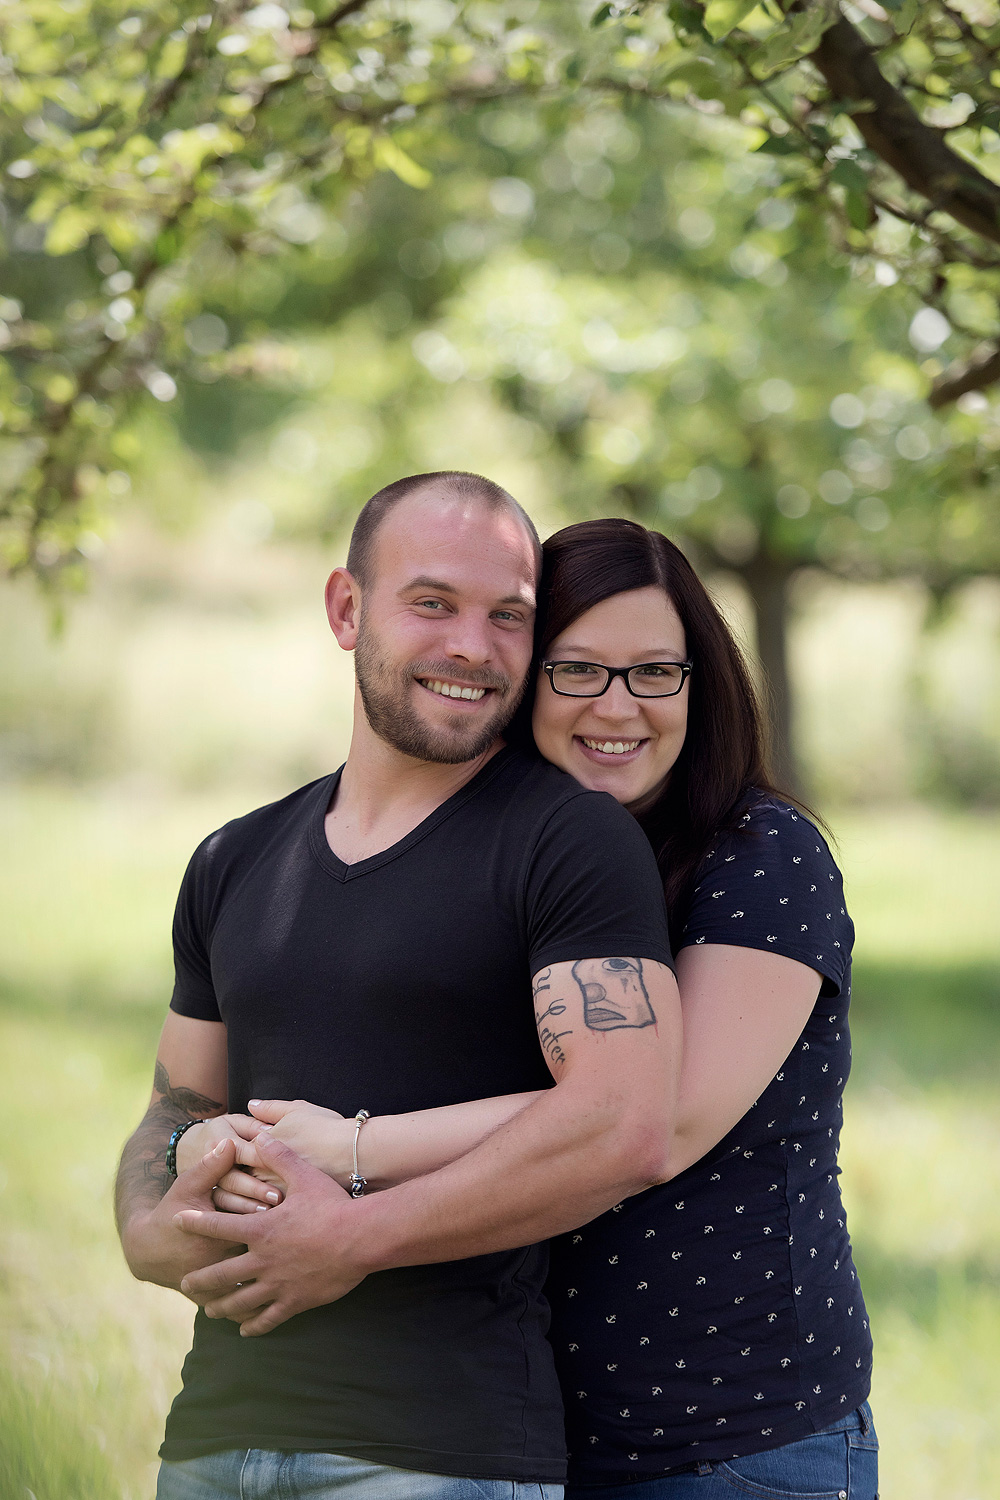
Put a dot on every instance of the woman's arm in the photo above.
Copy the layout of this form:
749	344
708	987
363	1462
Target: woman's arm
743	1011
391	1148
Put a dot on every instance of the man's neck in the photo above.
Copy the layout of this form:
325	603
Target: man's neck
384	794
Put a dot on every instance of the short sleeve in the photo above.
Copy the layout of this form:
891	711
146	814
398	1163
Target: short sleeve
773	884
592	888
194	992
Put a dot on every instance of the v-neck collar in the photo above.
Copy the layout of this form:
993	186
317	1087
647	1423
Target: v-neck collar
336	867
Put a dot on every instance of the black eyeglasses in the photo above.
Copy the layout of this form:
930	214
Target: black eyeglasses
587	679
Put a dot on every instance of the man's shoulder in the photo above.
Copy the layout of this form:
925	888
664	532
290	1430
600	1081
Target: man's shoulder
536	785
540	802
249	832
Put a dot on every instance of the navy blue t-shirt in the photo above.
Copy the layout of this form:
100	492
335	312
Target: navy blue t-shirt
720	1314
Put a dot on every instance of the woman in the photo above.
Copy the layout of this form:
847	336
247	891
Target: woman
710	1333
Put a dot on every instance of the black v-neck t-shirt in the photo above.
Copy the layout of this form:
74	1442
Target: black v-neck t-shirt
401	983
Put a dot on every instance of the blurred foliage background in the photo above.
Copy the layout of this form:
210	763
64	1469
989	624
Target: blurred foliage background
640	259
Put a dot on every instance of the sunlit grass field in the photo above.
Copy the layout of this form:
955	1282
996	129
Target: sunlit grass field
92	1358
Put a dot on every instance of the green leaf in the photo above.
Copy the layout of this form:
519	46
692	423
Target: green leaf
69	230
602	14
859	210
723	16
791	41
849	175
778	145
392	156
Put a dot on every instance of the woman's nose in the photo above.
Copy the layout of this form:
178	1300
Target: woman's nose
616	703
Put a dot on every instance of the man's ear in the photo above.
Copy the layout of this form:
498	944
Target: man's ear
343	607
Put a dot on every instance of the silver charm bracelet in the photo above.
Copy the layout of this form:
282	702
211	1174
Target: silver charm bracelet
358	1183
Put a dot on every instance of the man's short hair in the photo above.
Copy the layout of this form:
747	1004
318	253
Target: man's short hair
361	553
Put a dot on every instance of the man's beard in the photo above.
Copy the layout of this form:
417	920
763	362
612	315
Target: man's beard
385	693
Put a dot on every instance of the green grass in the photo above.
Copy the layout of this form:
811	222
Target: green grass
93	1357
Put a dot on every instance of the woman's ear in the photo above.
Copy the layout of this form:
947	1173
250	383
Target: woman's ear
343	607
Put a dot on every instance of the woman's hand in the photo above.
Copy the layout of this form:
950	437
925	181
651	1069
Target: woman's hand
238	1192
320	1136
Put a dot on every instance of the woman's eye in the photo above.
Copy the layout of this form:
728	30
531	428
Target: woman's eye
576	669
659	670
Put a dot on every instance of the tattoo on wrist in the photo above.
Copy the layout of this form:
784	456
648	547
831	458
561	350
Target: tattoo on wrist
614	993
142	1172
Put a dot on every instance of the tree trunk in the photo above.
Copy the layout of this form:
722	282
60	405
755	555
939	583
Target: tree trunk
766	578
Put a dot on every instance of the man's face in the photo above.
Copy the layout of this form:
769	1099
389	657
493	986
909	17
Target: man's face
445	635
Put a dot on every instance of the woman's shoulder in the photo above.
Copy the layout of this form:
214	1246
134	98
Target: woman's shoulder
770	881
774	828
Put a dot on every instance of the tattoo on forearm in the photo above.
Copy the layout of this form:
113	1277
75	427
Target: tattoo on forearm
142	1172
546	1009
193	1105
614	993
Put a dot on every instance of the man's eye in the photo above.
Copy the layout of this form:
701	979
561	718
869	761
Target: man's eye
506	614
431	603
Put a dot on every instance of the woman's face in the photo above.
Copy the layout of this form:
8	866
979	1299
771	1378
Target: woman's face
616	743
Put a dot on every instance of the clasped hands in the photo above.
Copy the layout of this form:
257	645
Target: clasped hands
305	1249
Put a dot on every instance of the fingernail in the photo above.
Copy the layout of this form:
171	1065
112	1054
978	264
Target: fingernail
220	1148
272	1197
255	1101
262	1208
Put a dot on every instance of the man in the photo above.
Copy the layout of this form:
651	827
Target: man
370	942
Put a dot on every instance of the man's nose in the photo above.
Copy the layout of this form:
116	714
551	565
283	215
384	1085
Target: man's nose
469	639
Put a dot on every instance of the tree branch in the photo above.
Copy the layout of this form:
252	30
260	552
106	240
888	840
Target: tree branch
895	132
955	382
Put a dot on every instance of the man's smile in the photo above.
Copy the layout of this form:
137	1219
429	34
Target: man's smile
453	689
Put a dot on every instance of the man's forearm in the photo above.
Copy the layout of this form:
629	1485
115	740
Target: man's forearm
142	1176
558	1164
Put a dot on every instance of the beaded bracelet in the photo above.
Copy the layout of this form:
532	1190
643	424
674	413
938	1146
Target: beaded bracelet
172	1144
358	1183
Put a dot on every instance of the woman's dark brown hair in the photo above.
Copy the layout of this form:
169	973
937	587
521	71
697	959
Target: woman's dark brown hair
724	754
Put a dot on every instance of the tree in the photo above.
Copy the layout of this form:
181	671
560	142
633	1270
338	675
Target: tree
705	364
151	153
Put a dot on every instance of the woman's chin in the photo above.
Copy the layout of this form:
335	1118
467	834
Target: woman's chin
623	776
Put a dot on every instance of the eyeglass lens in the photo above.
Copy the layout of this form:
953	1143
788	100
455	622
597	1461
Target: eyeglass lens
584	679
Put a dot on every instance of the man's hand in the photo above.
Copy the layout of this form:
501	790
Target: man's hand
156	1250
238	1192
304	1253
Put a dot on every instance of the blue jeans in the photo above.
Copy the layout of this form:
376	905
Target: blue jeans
259	1474
839	1463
